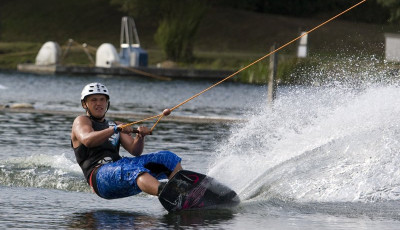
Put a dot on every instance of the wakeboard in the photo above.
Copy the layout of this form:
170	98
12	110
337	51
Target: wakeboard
189	190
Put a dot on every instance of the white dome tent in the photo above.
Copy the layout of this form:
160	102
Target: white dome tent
106	56
49	54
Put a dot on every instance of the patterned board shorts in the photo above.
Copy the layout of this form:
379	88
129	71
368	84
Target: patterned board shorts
118	179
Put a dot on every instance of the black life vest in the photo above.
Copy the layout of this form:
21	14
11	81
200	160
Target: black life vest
88	158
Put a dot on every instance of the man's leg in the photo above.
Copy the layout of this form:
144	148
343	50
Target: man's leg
148	184
177	168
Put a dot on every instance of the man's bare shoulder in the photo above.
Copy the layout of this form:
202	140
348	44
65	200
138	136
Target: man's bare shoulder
82	118
80	122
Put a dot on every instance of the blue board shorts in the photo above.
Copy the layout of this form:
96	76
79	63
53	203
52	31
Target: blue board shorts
118	179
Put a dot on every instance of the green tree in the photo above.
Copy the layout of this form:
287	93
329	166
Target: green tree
178	27
179	22
394	7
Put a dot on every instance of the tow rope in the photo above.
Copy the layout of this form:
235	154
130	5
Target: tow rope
166	112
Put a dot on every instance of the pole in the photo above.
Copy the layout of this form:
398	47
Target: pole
273	66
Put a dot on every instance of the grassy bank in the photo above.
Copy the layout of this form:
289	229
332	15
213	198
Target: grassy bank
227	38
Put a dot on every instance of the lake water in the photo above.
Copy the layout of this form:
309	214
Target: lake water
320	158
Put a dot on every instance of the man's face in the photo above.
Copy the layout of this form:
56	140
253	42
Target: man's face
97	104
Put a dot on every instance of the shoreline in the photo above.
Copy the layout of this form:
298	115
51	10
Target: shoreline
154	72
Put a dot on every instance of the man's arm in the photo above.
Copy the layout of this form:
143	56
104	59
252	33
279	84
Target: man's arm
135	145
83	133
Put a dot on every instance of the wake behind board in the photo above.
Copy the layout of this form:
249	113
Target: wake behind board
189	190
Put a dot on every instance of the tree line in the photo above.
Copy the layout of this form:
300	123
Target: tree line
373	11
179	20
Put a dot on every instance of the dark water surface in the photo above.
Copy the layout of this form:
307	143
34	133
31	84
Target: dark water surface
323	158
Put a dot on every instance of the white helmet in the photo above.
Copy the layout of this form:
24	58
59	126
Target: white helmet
94	88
